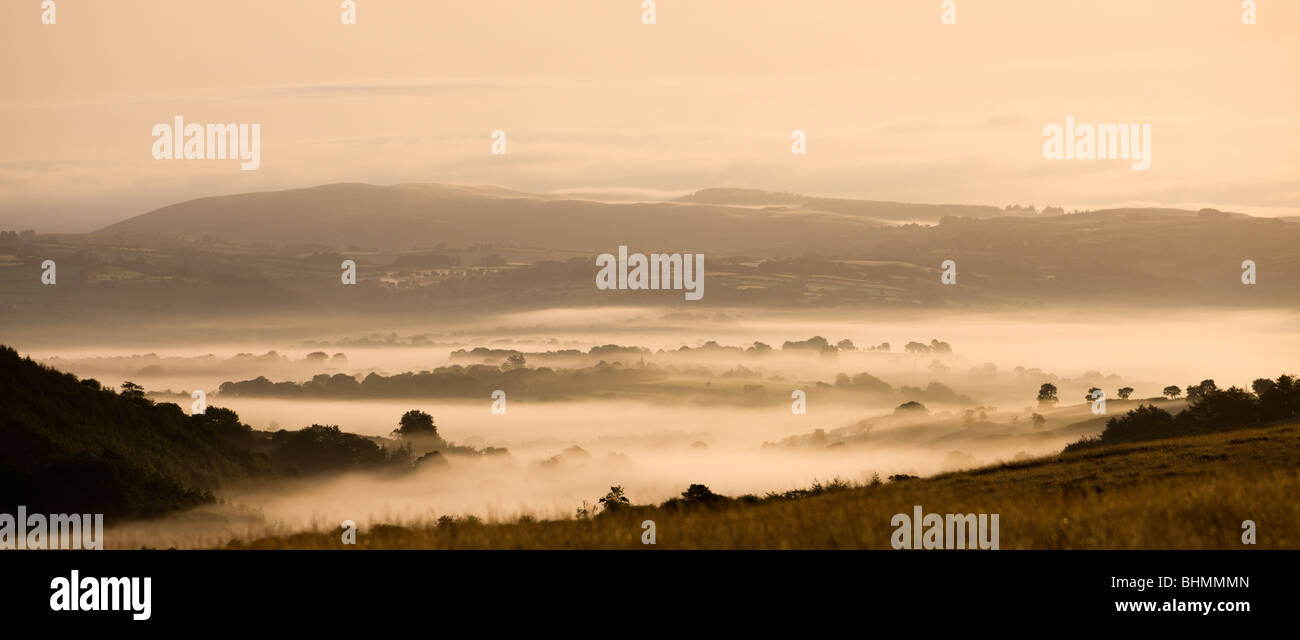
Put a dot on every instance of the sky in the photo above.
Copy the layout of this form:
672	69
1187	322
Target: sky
895	104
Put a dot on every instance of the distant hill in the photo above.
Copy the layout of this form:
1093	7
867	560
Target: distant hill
410	215
724	221
469	250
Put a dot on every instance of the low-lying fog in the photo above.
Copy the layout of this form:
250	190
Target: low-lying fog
655	447
1152	344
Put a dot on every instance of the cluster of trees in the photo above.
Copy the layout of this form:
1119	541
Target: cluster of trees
485	354
863	382
815	343
935	346
321	449
454	381
460	381
10	238
822	345
1209	409
1030	209
1048	393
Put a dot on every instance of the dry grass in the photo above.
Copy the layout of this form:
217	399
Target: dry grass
1185	493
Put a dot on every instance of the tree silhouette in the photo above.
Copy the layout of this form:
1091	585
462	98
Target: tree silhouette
132	391
700	494
1047	394
417	429
1196	391
1172	391
416	423
1125	392
614	500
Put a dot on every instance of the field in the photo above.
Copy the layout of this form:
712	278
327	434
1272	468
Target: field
1184	493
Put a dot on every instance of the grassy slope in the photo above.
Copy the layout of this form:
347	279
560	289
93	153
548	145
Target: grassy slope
1190	492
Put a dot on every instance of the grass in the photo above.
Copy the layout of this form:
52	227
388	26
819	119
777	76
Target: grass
1184	493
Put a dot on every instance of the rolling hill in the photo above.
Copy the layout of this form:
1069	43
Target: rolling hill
407	216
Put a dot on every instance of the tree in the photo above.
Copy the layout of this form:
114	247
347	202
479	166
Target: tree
1277	400
911	407
325	449
1125	392
1092	394
1047	394
1172	391
416	423
615	500
1262	386
700	494
1039	420
132	391
515	361
1197	391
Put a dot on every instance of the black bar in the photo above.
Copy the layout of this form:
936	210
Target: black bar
932	589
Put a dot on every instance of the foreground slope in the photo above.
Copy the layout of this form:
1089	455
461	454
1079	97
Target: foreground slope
1185	493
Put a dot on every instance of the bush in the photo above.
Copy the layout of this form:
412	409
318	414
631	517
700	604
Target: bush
696	496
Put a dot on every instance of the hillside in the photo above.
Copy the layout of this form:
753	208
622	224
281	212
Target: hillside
73	447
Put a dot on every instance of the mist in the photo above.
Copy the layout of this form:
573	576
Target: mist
655	442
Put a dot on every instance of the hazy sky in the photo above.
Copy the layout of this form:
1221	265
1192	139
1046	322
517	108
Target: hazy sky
896	105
